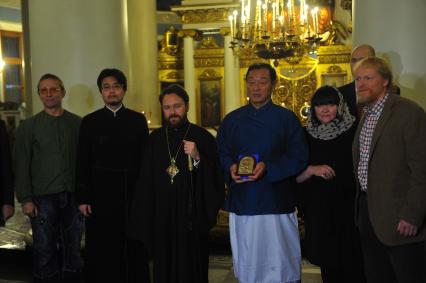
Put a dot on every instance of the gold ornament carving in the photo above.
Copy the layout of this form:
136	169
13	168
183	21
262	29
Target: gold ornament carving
334	69
204	16
173	75
209	74
334	54
195	34
176	65
295	94
171	42
208	42
346	4
212	62
208	54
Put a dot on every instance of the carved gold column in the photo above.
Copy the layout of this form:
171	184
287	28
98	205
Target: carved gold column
143	92
189	71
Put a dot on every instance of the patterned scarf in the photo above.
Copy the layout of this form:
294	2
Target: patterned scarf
343	121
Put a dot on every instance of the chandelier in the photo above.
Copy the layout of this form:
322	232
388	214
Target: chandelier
275	29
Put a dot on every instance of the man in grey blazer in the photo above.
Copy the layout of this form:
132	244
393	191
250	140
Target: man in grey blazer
390	163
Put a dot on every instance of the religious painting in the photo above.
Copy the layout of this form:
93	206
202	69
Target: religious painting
210	100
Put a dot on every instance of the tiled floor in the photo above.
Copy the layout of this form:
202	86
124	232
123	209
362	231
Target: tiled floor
15	262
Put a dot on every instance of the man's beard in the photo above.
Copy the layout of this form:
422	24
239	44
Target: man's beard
178	123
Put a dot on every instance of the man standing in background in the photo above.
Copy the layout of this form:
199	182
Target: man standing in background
262	148
390	163
179	194
45	150
348	91
110	149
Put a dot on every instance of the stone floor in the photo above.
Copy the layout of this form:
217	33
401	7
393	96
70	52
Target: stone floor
16	267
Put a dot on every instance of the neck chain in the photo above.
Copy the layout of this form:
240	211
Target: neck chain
173	170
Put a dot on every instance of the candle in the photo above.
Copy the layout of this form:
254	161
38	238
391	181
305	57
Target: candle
273	17
316	20
259	15
282	15
242	8
248	10
290	14
235	22
230	18
306	15
265	17
314	13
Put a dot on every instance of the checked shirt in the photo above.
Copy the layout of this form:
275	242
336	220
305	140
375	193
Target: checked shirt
372	115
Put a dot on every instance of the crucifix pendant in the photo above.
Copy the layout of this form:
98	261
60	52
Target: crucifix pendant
172	170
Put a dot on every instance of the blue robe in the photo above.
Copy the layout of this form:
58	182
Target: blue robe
275	134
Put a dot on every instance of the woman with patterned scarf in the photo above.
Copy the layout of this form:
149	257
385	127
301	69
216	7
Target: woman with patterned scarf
327	190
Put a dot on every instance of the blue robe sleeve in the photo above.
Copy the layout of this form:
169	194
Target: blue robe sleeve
295	158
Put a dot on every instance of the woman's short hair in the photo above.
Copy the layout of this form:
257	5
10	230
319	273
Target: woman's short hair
323	96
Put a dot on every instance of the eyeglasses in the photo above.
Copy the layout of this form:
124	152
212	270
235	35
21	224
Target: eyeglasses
111	87
52	90
174	106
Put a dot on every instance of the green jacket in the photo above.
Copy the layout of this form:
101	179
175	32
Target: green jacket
45	151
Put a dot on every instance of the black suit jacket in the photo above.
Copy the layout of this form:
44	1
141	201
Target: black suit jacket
349	95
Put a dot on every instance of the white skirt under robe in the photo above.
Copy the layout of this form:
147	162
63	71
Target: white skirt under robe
265	248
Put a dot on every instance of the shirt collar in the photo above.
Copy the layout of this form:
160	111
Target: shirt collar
114	112
264	107
377	108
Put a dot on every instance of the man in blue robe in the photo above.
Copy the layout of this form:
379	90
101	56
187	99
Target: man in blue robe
263	224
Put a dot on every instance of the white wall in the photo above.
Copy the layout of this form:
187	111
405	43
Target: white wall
76	39
397	31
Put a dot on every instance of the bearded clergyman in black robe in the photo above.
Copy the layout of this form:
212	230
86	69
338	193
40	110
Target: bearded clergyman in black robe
111	144
178	195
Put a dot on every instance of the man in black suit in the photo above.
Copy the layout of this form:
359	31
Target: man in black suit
348	90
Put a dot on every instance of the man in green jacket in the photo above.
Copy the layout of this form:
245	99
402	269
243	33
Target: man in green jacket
45	152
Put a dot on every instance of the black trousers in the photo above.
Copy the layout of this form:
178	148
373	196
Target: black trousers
389	264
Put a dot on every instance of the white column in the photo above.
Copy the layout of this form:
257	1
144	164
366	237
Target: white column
189	76
74	39
403	42
232	94
143	92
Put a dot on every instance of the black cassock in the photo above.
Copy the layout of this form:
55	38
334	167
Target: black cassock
109	157
173	220
332	240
